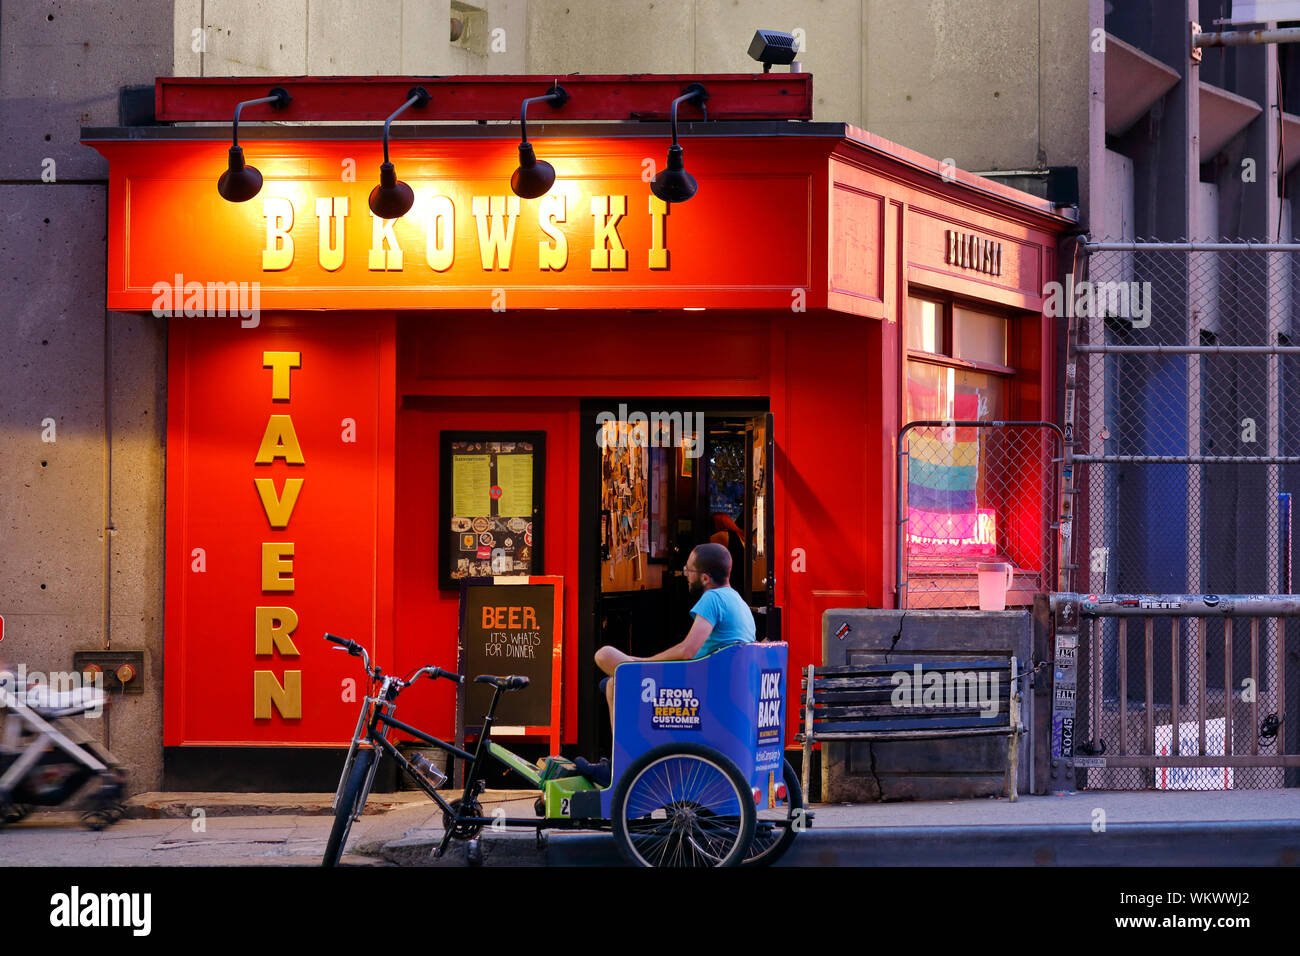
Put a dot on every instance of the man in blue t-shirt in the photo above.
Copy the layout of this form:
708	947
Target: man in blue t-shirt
721	618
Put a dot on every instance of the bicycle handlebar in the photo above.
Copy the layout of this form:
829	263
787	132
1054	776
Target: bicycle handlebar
436	672
340	641
356	650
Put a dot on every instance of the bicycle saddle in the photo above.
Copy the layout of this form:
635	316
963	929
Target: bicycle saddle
503	683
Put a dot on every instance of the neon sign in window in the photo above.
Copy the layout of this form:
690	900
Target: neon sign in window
953	533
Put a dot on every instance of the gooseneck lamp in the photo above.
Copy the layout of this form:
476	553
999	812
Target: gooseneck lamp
673	183
241	182
535	177
392	199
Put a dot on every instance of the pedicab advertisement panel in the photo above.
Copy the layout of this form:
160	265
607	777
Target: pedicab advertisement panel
732	700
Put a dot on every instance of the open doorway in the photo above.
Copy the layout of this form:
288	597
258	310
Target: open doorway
658	477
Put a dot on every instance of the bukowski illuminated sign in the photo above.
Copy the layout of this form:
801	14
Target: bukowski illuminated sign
495	218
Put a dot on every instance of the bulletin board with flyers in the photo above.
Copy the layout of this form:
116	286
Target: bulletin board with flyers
634	505
491	509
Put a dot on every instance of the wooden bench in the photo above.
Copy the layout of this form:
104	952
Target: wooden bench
890	702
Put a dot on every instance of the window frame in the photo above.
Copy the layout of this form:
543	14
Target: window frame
946	358
964	568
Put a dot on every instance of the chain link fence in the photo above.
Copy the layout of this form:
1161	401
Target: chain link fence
974	493
1185	451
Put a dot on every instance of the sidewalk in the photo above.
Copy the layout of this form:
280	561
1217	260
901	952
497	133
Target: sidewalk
1120	806
402	829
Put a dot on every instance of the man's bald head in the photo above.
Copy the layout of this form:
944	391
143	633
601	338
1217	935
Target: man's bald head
715	561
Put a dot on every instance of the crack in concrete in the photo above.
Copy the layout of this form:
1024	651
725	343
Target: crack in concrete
880	788
897	636
871	747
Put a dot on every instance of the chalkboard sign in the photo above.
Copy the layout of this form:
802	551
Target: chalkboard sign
512	625
491	489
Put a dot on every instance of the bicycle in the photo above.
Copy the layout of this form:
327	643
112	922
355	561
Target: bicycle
679	802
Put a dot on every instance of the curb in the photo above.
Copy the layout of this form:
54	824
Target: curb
497	849
159	806
1215	843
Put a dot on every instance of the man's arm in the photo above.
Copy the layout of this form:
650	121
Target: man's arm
689	645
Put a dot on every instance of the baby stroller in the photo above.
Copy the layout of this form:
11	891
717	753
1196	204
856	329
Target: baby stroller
46	759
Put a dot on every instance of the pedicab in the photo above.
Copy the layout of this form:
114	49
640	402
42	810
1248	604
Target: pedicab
699	776
698	767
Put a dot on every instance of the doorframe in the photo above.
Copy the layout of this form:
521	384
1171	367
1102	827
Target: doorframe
591	709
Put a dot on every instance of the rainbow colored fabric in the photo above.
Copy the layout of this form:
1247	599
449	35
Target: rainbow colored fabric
943	472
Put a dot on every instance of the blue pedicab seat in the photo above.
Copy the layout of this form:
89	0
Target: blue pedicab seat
732	701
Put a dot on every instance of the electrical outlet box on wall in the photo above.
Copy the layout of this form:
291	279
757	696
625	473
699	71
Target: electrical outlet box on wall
110	662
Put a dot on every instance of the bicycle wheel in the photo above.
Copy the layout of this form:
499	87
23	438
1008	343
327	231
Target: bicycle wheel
683	805
13	812
770	839
354	800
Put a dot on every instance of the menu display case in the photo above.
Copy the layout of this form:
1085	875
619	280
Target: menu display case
490	516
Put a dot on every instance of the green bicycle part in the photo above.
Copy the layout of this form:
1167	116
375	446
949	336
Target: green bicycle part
515	763
557	794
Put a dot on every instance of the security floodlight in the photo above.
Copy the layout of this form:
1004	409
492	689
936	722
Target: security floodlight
392	199
241	182
673	183
773	46
535	177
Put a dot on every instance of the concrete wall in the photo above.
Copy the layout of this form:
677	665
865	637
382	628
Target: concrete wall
81	533
914	71
347	37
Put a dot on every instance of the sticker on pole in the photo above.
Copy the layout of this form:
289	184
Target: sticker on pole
2	627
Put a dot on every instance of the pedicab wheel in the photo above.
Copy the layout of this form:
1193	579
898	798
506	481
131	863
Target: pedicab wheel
770	839
683	805
351	802
462	830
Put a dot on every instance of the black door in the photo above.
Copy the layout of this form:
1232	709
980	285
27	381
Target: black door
642	510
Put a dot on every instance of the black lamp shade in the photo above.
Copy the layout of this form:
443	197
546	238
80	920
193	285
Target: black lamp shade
391	199
674	183
240	182
534	177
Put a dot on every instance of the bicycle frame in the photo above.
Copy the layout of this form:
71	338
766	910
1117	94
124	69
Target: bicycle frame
373	726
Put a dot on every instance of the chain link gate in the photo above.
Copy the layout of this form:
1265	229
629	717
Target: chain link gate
1182	453
973	492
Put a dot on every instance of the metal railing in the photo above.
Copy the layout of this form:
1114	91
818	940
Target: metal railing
1202	697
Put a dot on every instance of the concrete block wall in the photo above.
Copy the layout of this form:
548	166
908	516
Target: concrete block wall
925	769
81	532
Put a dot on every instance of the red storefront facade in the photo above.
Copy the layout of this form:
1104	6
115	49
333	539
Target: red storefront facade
303	443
